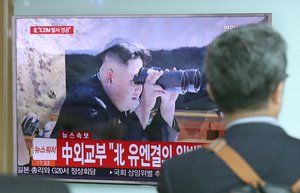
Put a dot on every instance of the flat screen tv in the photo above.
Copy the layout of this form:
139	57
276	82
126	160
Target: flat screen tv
72	75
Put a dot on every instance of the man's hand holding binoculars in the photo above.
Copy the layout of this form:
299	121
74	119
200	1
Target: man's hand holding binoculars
167	85
167	107
151	91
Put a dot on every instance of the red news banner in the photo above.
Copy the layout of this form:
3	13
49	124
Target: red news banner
106	154
51	29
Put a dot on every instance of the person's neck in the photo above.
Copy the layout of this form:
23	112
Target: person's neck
244	114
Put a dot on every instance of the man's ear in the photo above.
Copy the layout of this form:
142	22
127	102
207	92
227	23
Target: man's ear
108	76
208	89
277	96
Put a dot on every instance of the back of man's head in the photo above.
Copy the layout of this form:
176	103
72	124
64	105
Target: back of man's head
244	67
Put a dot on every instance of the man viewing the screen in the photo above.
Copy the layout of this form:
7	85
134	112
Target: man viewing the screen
246	72
111	106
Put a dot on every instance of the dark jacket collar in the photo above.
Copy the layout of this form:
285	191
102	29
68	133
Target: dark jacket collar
101	94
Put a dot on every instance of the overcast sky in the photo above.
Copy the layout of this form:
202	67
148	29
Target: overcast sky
152	33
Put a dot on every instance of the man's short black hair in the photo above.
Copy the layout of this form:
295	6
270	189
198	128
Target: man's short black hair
124	50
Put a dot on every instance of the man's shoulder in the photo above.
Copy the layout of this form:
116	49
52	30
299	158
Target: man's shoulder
31	184
87	84
86	88
190	158
292	144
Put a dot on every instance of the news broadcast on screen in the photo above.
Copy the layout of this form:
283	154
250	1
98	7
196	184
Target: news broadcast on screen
110	98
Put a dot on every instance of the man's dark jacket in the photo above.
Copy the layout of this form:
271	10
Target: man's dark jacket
87	108
273	154
26	184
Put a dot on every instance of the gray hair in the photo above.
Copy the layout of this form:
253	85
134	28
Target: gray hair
244	66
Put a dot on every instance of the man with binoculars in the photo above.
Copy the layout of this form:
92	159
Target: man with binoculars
113	105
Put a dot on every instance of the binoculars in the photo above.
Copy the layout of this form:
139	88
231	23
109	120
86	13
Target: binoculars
178	81
30	125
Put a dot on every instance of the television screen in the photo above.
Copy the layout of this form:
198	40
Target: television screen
109	98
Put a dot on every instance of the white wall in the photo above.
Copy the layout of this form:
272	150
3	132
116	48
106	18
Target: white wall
286	18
